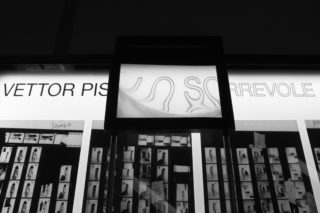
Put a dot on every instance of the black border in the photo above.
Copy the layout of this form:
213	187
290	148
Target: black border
169	51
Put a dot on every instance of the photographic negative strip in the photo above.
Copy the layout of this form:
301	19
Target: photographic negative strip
5	154
127	171
214	206
20	154
145	155
24	206
223	156
46	190
63	191
213	190
257	155
249	206
242	156
127	188
144	190
144	206
244	173
182	207
3	171
93	190
91	206
145	171
162	157
8	205
210	154
96	155
182	192
46	139
247	190
12	189
32	171
212	172
28	187
31	138
292	156
162	173
128	154
61	206
35	154
43	205
16	137
95	171
225	172
65	173
273	155
126	205
16	171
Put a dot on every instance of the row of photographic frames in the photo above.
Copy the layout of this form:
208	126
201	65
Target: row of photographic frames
182	204
94	178
63	189
16	176
34	138
164	140
146	155
211	155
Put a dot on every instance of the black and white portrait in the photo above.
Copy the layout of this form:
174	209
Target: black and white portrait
63	191
214	206
127	171
61	207
95	171
65	173
5	154
261	172
292	156
93	190
211	171
32	170
182	192
91	206
126	205
28	187
16	171
257	155
96	155
12	189
210	155
127	188
247	190
273	155
295	171
128	154
20	154
264	189
35	154
43	205
24	206
8	205
46	190
31	138
145	171
277	173
162	157
145	155
242	156
213	189
162	173
244	173
3	171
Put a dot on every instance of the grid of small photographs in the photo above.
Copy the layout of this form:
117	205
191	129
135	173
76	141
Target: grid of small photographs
95	165
212	178
245	180
145	175
63	189
45	197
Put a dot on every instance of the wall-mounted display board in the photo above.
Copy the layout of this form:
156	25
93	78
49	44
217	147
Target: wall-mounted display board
154	173
271	172
169	83
39	166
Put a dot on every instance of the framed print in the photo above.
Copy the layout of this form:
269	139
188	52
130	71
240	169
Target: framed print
190	74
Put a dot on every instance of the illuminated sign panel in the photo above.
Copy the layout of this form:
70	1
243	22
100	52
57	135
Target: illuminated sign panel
168	91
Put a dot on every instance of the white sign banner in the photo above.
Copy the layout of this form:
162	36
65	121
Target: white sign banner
275	96
59	96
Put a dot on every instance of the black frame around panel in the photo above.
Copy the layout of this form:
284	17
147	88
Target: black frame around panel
169	51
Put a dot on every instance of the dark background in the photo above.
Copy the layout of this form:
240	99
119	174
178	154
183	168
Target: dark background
90	26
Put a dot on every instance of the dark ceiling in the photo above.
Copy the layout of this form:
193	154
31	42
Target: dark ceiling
89	27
